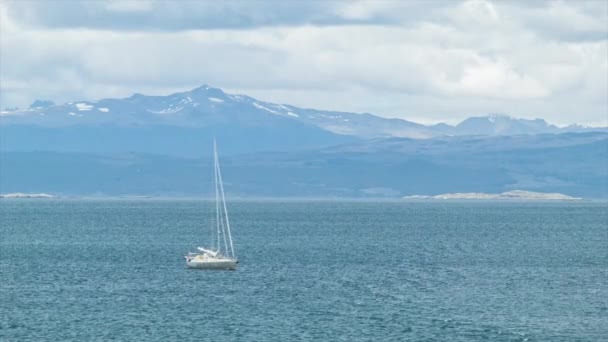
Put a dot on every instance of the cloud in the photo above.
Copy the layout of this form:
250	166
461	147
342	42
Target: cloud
128	6
165	15
567	21
429	61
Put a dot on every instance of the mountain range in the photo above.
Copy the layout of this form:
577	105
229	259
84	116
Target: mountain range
160	145
182	124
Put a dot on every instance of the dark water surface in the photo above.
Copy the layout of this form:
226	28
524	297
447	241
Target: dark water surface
327	271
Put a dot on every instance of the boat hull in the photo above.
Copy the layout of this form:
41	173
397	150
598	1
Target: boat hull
212	264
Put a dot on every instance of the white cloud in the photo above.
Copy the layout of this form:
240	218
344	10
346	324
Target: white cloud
495	79
128	5
364	9
452	61
474	12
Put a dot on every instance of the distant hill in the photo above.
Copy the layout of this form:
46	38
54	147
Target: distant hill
574	164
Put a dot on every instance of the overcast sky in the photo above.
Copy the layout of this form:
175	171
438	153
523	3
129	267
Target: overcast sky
425	61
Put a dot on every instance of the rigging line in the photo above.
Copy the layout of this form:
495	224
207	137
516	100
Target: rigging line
224	233
219	174
224	236
212	216
219	183
217	204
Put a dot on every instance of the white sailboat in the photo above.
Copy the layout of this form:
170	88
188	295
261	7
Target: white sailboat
216	257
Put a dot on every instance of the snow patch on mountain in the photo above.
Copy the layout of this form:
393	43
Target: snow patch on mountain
259	106
237	97
330	116
215	99
83	106
169	110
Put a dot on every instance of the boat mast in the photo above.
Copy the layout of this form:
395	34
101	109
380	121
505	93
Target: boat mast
217	199
219	176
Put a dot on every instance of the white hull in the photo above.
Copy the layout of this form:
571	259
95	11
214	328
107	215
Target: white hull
220	264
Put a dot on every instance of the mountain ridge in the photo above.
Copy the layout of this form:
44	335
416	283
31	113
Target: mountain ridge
206	106
569	163
160	145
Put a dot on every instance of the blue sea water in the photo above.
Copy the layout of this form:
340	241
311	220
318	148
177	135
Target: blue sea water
97	270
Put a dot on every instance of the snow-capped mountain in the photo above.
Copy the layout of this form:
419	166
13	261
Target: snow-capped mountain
206	106
160	144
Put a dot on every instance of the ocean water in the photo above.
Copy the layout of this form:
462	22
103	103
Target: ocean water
102	270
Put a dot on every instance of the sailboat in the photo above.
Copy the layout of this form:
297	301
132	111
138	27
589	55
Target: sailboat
217	256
